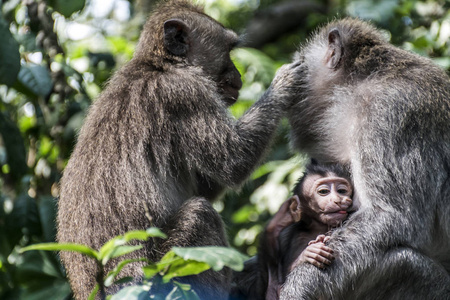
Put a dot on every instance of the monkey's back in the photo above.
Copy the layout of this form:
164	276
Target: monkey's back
125	162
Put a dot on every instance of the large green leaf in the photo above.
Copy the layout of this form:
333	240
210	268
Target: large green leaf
67	8
39	273
34	79
216	257
9	55
135	292
24	217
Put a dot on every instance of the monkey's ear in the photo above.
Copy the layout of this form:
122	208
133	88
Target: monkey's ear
176	37
294	208
335	49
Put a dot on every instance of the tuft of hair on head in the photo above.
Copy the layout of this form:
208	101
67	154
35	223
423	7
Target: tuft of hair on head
316	168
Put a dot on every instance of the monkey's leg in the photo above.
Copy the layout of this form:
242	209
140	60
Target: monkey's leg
196	224
404	273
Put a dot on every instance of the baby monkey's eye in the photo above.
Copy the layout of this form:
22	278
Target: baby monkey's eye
323	192
342	191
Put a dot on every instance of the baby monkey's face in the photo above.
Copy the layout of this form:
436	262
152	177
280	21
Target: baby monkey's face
328	197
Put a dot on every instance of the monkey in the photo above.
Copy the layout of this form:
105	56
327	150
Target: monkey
296	234
299	231
385	113
159	141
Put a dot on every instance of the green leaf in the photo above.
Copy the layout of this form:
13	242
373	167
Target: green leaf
107	250
150	271
67	8
34	79
9	55
94	292
47	214
62	247
112	274
182	291
24	217
182	268
155	232
216	257
40	276
121	250
135	292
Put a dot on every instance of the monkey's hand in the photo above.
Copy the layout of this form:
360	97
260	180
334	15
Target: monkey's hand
317	254
321	238
289	82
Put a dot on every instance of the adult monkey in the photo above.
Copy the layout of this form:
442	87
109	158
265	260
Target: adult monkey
160	134
386	113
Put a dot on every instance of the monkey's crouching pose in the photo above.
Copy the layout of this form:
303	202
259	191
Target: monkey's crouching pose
385	113
159	134
321	201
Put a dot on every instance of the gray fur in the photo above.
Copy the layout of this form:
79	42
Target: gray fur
159	134
386	113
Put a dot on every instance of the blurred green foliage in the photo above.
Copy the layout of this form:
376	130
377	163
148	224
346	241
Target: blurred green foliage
55	57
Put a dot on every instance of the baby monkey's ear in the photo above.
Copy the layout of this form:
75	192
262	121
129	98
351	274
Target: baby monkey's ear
294	208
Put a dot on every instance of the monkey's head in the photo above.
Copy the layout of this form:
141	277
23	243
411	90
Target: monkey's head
340	51
324	193
180	34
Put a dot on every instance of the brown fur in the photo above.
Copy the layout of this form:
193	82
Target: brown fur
159	134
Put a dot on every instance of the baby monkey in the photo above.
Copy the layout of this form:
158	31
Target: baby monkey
321	201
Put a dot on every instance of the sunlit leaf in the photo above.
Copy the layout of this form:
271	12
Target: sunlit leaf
120	251
150	270
63	247
216	257
107	250
182	268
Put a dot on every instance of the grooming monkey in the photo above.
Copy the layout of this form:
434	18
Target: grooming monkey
159	141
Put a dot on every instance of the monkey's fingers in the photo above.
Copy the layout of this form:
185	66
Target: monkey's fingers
319	251
316	263
319	239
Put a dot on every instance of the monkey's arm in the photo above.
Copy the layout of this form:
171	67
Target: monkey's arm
220	147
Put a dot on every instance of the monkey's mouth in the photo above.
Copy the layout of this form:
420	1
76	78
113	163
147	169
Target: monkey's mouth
337	215
231	94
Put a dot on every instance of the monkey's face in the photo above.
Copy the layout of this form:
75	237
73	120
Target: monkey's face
209	49
205	43
329	198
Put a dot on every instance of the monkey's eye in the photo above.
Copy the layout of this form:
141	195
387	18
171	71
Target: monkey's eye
342	191
323	191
